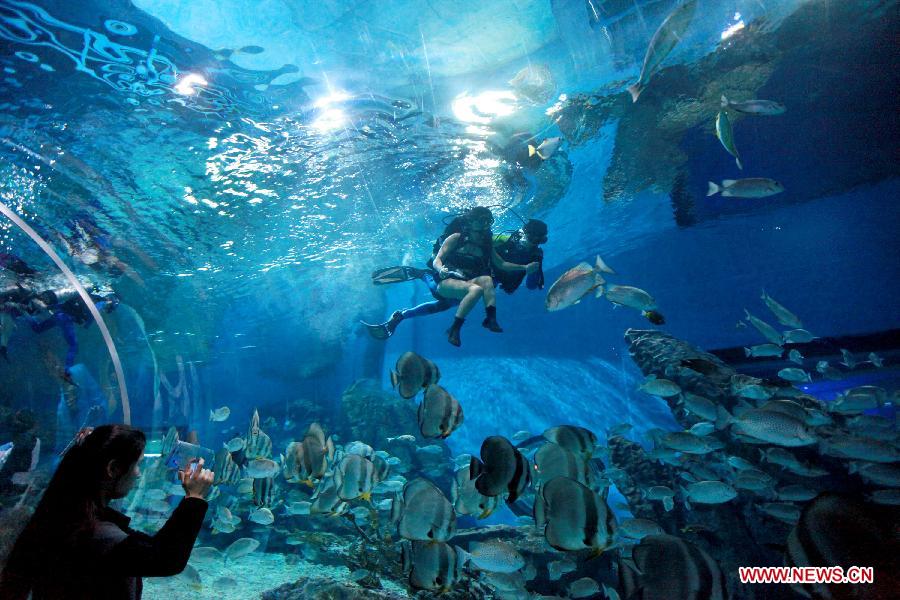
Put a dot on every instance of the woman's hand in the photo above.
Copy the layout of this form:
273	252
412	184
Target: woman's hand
196	481
532	267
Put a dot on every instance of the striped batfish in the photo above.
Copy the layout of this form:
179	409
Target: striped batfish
226	470
552	460
577	440
258	444
263	492
423	513
432	565
469	501
355	477
846	531
670	567
574	516
502	468
439	413
306	461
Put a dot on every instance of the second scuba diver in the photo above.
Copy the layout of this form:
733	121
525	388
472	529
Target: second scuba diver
466	257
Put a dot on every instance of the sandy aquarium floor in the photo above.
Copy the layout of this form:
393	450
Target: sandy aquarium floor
243	579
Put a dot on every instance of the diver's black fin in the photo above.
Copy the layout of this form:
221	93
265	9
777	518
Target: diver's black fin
397	275
379	331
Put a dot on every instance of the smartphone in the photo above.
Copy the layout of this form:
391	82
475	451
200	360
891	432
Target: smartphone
187	456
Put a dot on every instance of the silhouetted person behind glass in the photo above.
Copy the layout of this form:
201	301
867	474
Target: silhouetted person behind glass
75	547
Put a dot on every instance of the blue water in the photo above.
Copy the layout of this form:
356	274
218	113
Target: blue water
251	164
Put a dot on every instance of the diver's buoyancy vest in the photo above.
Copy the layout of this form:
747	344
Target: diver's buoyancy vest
465	260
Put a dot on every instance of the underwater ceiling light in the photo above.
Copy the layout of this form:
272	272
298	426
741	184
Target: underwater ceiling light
185	87
484	107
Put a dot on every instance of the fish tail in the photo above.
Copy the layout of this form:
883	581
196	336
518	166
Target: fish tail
723	419
713	189
724	101
531	150
747	352
635	91
738	161
395	378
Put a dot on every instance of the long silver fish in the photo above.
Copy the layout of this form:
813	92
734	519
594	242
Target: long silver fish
725	133
766	108
768	332
664	40
784	316
752	187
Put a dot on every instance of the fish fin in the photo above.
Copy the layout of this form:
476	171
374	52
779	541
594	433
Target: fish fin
747	352
723	419
476	468
599	291
600	265
738	161
635	91
724	101
713	189
395	379
669	503
531	150
728	182
211	416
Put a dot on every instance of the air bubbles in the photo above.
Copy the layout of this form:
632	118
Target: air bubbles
119	27
27	56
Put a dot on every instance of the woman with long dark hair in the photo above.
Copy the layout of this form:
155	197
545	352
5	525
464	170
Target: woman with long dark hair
76	547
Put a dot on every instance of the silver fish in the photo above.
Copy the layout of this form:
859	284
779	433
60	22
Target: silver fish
767	331
546	149
725	133
798	336
670	32
795	357
220	414
767	426
709	492
754	107
495	556
753	187
784	316
240	548
764	350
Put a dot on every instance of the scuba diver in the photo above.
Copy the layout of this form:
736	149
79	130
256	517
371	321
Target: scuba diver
66	311
466	256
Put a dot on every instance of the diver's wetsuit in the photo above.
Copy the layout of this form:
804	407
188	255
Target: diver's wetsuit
510	247
65	316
